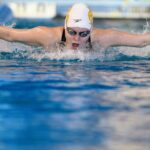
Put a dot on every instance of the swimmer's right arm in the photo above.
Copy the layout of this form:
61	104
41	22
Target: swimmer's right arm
32	36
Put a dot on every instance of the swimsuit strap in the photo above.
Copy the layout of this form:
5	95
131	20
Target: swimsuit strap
63	38
90	44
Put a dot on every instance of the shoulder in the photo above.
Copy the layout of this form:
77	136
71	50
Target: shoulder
50	30
44	28
101	33
49	35
103	37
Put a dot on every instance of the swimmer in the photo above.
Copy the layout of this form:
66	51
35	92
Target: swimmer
78	33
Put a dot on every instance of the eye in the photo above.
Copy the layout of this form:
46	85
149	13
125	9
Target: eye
84	34
71	32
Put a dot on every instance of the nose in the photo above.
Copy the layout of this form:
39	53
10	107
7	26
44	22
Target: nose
76	38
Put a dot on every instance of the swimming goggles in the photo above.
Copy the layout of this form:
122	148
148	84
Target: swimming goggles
81	34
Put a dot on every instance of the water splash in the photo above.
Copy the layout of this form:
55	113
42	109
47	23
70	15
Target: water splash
146	27
21	51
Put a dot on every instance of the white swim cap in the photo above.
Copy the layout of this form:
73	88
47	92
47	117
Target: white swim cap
79	15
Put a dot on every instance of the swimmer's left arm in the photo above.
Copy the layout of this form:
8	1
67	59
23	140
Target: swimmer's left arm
119	38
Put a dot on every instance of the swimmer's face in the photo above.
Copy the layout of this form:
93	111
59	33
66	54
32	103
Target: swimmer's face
76	37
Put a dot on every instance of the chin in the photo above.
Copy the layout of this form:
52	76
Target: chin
72	47
75	48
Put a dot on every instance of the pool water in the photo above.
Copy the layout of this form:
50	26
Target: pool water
72	102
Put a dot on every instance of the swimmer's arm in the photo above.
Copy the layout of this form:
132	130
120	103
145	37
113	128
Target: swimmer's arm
119	38
32	36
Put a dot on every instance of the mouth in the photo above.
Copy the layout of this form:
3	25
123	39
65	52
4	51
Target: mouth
75	45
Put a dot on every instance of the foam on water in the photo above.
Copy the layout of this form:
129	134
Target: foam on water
21	51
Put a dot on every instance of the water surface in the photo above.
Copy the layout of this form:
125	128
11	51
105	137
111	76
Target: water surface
74	101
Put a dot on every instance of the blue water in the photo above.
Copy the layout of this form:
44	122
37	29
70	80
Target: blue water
62	102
